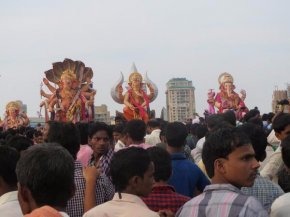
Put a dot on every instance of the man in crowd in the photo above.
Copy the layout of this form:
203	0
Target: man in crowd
230	162
153	132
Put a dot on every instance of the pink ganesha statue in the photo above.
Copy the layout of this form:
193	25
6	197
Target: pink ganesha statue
226	99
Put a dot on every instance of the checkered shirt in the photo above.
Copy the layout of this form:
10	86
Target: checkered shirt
104	162
104	192
165	197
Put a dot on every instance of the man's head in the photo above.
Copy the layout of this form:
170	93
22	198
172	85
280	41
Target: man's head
67	135
229	157
176	134
99	137
162	163
45	176
258	139
281	125
152	125
132	171
118	132
20	143
8	160
135	131
213	120
285	144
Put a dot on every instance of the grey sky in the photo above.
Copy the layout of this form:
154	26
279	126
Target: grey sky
193	39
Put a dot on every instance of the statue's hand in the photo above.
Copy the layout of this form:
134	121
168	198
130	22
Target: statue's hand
45	81
243	94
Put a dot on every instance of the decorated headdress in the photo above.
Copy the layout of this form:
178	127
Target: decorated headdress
225	78
134	74
74	69
13	104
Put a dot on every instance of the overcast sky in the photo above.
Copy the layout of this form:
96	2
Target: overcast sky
193	39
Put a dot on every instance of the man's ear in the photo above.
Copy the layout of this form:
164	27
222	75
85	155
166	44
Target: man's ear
277	135
219	166
24	196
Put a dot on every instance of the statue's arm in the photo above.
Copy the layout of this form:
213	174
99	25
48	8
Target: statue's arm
49	86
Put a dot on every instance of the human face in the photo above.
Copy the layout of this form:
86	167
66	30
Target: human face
241	167
145	184
117	136
100	143
284	133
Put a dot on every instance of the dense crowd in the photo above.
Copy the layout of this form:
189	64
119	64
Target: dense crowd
209	166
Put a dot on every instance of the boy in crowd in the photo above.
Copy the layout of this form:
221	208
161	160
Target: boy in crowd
163	196
45	176
187	178
9	205
230	162
132	175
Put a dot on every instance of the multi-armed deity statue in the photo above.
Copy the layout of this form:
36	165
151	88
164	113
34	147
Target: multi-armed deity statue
136	100
226	98
14	116
71	98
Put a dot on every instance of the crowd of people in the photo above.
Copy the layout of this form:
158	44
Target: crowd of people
212	166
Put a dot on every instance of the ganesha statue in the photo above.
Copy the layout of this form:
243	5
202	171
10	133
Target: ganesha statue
136	100
70	96
226	98
14	116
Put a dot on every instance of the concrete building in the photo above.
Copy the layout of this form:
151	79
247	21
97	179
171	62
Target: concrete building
279	95
102	114
180	99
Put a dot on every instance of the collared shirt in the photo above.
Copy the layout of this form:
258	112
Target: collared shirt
265	191
142	145
165	197
153	138
280	207
119	145
186	176
129	205
223	200
274	166
104	192
104	162
9	205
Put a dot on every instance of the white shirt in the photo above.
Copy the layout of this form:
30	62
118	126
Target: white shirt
128	206
196	153
119	145
280	207
9	205
153	138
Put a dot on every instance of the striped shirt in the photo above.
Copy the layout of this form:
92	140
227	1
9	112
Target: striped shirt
222	200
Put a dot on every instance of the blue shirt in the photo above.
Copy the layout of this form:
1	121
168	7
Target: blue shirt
186	176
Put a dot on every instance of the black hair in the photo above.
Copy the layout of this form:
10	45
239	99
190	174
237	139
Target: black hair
257	121
252	113
67	135
136	129
119	128
20	143
213	120
162	163
176	134
153	123
230	117
201	131
83	130
47	170
99	126
8	160
280	122
126	164
285	145
219	144
258	139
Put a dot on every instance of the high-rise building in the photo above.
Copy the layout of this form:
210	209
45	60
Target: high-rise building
180	99
102	114
278	95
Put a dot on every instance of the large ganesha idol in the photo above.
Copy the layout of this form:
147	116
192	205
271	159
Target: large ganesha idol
71	96
136	100
226	98
14	116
